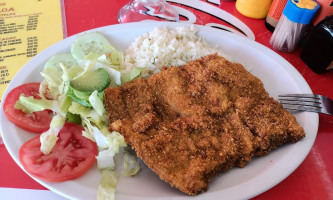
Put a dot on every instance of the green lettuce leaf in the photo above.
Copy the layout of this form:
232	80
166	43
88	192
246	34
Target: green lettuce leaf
131	164
30	104
131	75
74	118
109	145
97	103
107	186
49	138
79	97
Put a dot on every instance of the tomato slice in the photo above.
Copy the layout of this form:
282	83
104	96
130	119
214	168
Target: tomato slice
36	122
72	156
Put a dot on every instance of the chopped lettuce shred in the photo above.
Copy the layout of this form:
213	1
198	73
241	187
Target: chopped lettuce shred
74	118
107	186
131	164
130	75
30	104
97	104
110	145
49	138
85	108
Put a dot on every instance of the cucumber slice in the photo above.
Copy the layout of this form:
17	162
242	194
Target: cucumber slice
94	46
95	80
53	72
64	58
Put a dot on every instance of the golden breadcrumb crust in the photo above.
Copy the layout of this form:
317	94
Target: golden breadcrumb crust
188	123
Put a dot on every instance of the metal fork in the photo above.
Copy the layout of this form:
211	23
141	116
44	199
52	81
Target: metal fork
307	103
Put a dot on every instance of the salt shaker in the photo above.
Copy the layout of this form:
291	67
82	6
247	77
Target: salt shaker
294	21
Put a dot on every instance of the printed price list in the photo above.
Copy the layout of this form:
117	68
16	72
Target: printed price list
12	45
4	74
8	45
23	36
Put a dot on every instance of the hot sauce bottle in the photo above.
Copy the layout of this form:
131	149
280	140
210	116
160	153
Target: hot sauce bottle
274	14
326	9
318	52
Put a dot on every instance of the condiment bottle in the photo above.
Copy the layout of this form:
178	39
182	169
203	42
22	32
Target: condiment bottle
274	14
326	9
294	21
318	51
257	9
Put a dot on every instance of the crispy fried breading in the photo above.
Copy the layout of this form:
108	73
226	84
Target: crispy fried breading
188	123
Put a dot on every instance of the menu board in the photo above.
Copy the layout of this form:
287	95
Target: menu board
26	28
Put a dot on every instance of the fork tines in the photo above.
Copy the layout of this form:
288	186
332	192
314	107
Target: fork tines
301	102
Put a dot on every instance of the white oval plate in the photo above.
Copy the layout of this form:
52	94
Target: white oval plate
258	176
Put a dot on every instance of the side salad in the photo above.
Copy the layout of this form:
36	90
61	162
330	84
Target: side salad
67	108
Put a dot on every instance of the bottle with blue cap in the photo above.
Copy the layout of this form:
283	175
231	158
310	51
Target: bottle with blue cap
295	19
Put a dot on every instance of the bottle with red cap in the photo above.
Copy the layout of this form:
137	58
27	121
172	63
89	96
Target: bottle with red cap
274	14
326	9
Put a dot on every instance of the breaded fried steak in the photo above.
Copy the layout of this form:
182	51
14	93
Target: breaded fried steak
188	123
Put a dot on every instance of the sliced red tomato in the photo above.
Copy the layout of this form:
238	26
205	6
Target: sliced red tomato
72	156
36	122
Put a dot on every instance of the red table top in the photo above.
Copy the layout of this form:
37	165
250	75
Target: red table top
313	179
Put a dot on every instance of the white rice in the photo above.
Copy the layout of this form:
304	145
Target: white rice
164	47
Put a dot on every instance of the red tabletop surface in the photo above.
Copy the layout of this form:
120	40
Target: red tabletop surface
313	179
